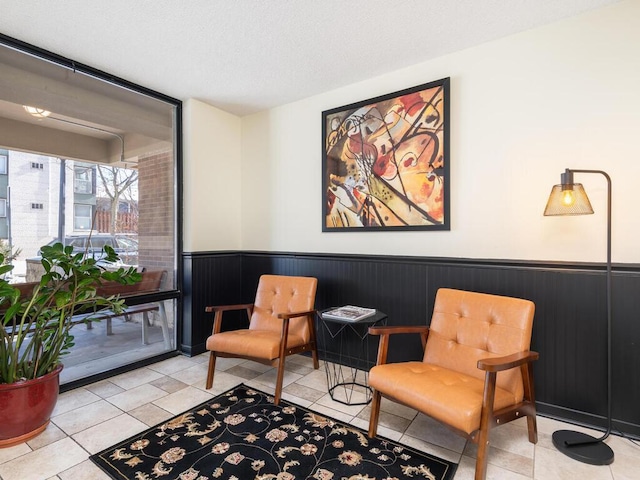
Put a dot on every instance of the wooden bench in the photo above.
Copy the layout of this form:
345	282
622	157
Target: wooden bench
151	282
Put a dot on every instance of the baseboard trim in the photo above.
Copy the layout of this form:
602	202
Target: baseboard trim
587	420
193	350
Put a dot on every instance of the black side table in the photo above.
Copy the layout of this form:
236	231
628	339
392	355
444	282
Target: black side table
342	379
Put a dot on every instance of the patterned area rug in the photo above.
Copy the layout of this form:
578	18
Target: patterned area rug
242	435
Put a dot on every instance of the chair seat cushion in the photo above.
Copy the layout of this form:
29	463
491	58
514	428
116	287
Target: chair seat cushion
263	344
446	395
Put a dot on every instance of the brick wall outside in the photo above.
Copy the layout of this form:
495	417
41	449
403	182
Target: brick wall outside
156	199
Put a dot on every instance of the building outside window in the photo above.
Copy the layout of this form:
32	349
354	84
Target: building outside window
83	179
3	207
82	217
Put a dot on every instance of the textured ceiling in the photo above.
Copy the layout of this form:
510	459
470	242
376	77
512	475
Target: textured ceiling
245	56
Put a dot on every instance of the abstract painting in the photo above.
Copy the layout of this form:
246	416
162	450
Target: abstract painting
385	162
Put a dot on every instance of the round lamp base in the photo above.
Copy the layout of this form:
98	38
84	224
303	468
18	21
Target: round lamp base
595	453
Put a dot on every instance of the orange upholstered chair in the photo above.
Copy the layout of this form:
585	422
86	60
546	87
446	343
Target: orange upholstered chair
476	372
281	324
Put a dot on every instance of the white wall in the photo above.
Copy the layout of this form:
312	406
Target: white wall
32	228
522	109
212	178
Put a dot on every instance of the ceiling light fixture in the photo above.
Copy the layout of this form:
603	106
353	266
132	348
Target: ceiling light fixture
37	112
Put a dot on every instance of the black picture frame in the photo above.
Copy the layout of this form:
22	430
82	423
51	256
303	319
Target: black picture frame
385	162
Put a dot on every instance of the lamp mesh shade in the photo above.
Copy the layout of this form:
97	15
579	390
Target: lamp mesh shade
580	206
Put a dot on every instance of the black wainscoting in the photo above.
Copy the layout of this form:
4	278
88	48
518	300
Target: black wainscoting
569	327
208	280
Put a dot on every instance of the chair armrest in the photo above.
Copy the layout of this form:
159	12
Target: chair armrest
226	308
386	332
217	319
296	314
285	317
498	364
398	329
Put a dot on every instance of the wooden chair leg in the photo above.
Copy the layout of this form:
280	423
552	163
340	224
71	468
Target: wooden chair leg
281	358
212	367
532	426
375	414
485	425
529	394
313	341
280	377
482	460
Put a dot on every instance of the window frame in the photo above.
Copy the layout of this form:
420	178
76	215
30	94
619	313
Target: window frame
174	294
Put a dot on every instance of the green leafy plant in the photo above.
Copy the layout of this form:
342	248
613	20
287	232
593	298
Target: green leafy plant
36	327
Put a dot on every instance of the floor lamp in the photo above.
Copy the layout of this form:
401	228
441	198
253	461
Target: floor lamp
569	198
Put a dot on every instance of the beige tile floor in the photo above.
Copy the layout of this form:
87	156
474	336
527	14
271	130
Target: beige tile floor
89	419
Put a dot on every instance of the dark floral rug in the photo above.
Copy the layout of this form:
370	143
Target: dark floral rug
242	435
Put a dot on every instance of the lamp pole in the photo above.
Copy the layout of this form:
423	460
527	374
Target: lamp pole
580	446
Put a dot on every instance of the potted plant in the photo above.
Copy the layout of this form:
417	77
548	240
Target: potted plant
35	332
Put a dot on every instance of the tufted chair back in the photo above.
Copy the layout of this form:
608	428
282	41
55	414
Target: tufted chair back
469	326
279	294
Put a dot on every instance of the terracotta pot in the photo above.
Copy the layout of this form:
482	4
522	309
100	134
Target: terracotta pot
25	407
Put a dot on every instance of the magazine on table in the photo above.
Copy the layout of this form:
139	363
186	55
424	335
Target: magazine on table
349	313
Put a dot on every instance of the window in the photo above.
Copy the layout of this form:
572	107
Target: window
121	181
3	207
82	216
3	164
83	179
